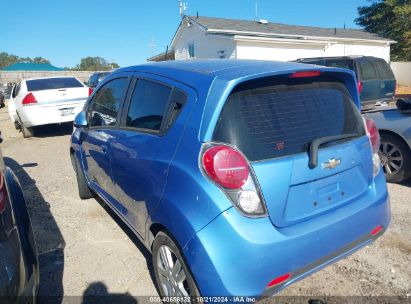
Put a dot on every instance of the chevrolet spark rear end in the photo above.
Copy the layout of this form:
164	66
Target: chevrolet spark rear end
297	162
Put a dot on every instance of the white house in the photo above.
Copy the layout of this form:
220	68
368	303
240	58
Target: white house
205	37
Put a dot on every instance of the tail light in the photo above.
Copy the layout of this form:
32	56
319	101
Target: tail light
29	100
230	170
359	87
303	74
90	91
372	132
374	136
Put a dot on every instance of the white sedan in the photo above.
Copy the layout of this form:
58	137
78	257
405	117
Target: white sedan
43	101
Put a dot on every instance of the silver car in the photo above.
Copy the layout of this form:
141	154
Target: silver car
394	124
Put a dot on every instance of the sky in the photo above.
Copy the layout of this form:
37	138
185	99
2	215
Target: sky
129	31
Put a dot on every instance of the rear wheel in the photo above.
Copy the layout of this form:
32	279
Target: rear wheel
172	275
395	158
84	190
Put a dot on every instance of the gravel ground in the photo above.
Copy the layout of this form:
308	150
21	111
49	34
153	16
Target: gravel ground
85	250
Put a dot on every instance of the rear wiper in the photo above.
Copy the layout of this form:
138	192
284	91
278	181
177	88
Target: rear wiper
315	144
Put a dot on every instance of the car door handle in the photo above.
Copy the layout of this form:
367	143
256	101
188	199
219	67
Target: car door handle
104	149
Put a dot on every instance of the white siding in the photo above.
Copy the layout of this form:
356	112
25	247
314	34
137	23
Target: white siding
402	72
206	46
276	51
380	50
291	51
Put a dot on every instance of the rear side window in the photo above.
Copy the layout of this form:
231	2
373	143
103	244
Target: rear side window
148	105
367	70
106	103
53	83
101	76
312	61
383	69
340	63
278	117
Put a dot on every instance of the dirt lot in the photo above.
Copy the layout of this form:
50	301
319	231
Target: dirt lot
85	250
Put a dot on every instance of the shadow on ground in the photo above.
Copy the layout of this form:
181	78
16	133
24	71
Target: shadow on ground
97	293
406	183
53	130
131	235
49	240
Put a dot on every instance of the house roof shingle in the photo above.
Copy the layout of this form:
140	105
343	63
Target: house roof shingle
272	29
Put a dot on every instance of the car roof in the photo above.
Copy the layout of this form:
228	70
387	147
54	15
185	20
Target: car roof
214	79
228	69
351	57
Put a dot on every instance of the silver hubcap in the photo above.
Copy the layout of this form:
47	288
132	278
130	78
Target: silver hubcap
173	279
391	158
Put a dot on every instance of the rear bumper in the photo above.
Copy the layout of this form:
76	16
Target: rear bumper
239	256
36	115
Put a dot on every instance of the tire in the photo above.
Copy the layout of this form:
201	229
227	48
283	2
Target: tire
395	158
84	190
168	285
27	132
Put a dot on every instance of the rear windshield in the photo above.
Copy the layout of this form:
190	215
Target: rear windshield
340	63
53	83
278	117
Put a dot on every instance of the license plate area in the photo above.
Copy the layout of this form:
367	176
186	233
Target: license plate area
308	199
66	111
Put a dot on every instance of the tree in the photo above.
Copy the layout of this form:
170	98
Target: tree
92	64
40	60
7	59
390	19
113	65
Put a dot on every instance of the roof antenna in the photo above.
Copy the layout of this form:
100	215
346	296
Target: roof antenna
256	10
183	8
152	46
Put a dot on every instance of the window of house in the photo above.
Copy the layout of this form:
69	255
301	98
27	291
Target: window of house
191	53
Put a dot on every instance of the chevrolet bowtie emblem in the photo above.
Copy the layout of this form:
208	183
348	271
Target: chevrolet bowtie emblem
331	163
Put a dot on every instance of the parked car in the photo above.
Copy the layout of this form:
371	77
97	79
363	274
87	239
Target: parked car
241	177
96	78
19	270
376	81
41	101
393	123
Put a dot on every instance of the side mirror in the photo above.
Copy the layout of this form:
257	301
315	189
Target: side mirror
80	121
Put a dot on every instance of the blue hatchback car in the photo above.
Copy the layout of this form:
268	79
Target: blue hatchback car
241	177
